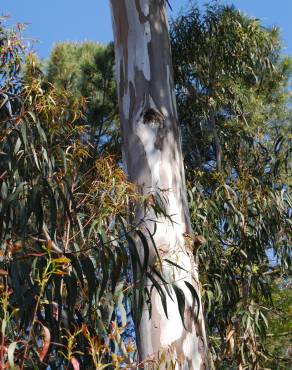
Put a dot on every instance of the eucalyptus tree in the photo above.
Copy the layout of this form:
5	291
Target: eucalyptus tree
232	86
62	265
170	329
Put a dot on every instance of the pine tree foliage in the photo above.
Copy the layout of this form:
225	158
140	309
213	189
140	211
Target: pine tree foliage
87	70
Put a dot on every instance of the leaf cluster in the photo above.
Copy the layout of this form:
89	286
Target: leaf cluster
64	259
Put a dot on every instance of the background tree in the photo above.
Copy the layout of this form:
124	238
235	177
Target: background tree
87	70
235	112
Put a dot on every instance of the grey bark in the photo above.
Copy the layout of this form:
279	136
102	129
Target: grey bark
153	159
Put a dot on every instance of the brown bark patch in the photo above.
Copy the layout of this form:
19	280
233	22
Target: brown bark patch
153	116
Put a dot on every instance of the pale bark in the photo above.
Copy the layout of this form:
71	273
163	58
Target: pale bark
153	160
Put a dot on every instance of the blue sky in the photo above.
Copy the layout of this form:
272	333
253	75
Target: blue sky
50	21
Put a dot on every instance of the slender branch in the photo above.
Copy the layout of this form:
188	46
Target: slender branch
50	241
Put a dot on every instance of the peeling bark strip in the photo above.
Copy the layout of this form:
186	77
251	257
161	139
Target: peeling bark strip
152	156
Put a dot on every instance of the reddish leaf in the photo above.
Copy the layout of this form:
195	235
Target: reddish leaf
75	363
46	341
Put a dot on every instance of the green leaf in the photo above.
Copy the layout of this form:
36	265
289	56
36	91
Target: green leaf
76	266
160	292
71	284
195	296
89	272
122	310
264	319
164	282
52	206
11	350
174	264
116	270
134	252
146	249
3	326
154	245
4	190
17	146
181	302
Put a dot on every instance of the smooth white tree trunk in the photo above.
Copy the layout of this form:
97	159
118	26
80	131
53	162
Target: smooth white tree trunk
153	160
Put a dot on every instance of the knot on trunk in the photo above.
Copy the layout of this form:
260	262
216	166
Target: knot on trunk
153	117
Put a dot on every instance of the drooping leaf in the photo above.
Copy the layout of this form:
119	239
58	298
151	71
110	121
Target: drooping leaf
10	351
195	297
46	341
181	302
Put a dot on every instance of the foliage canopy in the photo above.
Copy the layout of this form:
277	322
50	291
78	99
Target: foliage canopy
65	244
235	112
